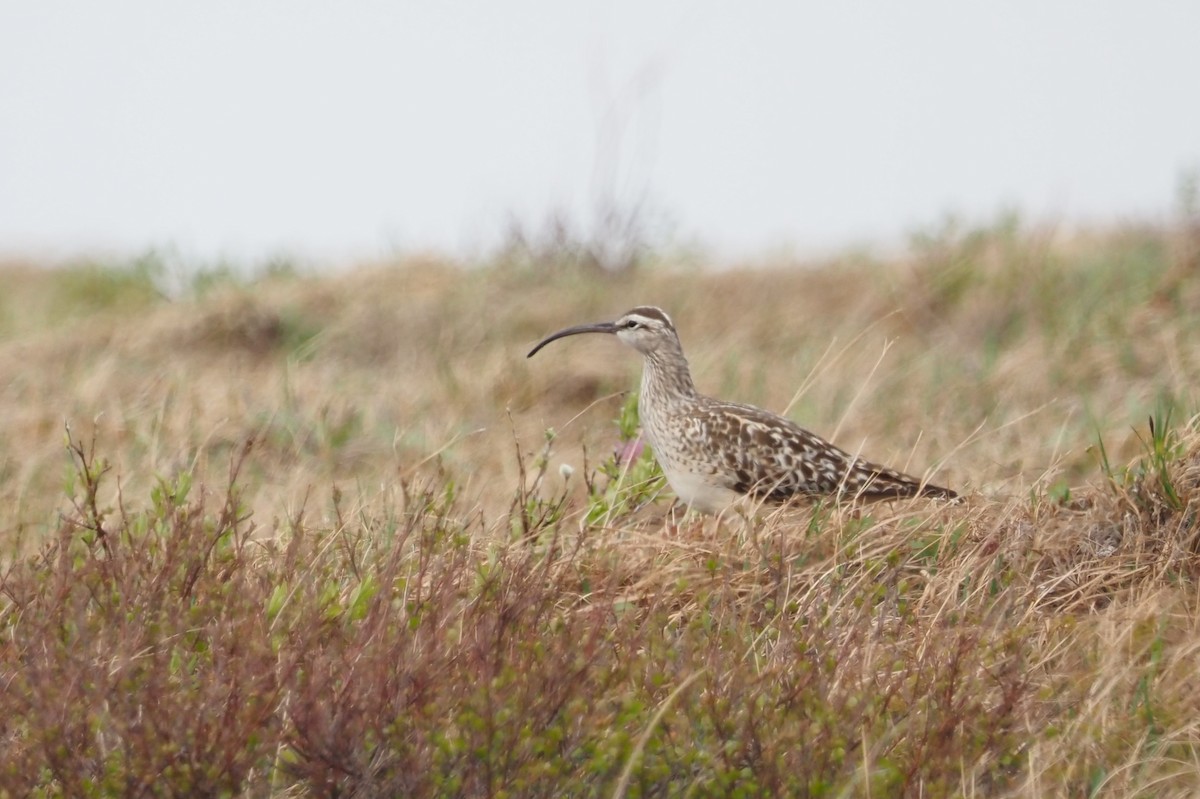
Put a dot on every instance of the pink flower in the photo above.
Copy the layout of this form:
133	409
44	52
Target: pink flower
630	451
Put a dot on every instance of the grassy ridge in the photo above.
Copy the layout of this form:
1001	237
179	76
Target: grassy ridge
315	540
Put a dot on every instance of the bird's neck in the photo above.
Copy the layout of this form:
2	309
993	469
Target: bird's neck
666	376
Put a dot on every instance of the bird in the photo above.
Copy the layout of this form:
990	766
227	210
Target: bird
715	454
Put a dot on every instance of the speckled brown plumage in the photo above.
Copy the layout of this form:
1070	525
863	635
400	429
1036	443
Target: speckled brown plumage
715	452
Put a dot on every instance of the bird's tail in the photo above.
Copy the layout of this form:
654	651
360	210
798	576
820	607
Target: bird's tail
873	482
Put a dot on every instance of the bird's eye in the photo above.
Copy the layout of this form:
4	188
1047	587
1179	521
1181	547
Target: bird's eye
632	324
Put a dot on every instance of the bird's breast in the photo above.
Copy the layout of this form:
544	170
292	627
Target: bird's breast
688	460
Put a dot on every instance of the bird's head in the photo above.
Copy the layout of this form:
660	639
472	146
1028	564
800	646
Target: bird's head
646	328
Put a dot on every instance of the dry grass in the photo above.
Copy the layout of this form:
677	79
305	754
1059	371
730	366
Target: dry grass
313	539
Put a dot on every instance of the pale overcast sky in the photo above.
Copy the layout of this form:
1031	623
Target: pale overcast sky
339	130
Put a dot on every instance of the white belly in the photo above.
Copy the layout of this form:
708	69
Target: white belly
700	493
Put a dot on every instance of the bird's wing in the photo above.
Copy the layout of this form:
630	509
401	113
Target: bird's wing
771	457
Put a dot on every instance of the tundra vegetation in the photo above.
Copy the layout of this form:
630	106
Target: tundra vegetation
289	534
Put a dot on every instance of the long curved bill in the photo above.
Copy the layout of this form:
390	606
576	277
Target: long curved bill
598	327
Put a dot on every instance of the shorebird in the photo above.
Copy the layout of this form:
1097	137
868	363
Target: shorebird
716	453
